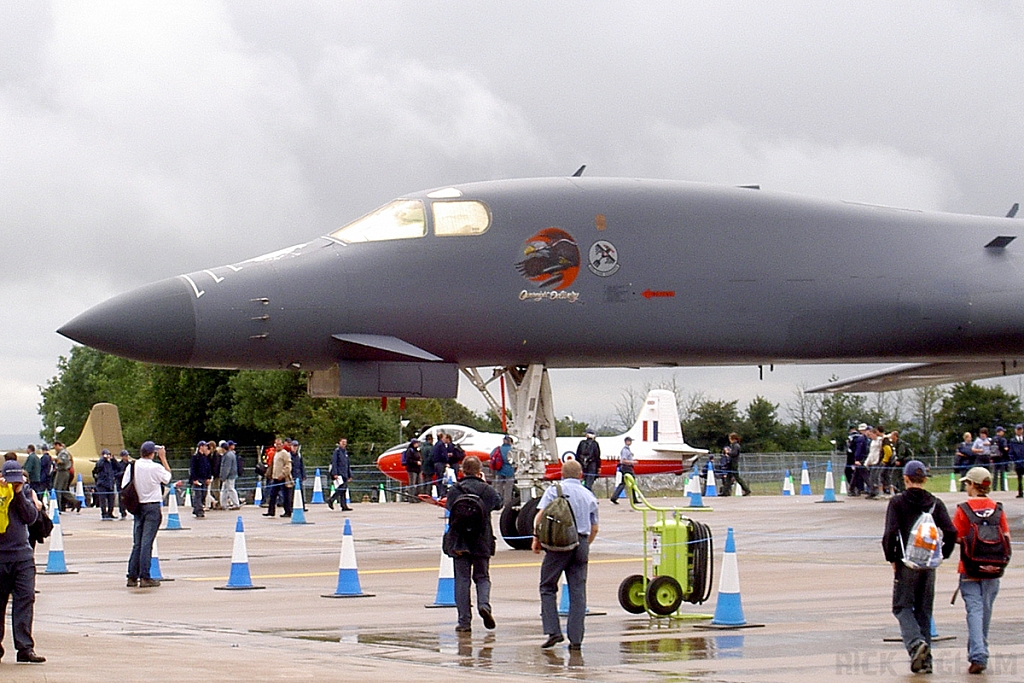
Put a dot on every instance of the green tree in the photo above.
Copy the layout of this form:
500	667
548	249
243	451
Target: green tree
711	423
969	406
760	430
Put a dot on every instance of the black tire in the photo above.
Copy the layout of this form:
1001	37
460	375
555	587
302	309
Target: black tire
524	525
631	594
664	595
508	524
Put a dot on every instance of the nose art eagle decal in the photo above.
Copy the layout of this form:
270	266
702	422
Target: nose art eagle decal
551	259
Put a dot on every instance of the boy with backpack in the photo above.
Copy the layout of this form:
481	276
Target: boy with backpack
469	541
918	536
984	553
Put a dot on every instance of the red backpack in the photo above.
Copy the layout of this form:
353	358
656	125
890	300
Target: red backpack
984	549
496	462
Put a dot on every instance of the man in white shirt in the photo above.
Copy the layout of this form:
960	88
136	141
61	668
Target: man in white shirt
148	480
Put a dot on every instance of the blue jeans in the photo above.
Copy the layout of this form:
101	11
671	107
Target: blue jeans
978	598
147	521
913	594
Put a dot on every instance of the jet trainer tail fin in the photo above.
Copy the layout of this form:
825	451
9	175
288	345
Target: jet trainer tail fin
657	424
102	430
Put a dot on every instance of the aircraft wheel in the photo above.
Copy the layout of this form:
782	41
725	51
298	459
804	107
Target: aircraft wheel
508	524
664	595
524	524
631	594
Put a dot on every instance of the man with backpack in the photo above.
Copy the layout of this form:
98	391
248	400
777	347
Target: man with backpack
588	453
984	553
469	541
916	521
572	561
503	470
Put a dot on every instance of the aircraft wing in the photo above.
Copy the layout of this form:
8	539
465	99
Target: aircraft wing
921	375
679	449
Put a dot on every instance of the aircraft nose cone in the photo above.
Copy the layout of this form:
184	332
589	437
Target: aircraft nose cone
153	324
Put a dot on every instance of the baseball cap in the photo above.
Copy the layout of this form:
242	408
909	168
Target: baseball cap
978	475
862	426
147	448
13	473
629	439
915	468
589	432
125	452
105	451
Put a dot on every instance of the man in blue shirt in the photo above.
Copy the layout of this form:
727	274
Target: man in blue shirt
573	563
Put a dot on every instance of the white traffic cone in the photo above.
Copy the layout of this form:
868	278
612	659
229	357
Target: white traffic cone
298	513
239	579
445	577
318	489
154	565
729	607
737	490
952	483
173	517
348	572
55	563
188	497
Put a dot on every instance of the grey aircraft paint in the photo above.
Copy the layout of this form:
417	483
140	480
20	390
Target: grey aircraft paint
590	272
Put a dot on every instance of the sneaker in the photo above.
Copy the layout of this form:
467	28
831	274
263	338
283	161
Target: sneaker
974	668
553	639
148	583
614	502
485	614
919	655
30	656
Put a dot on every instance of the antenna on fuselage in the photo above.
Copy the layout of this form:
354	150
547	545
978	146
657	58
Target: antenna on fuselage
579	171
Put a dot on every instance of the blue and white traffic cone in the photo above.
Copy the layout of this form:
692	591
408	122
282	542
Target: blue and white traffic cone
348	573
173	518
154	565
729	607
348	496
318	489
830	485
239	578
257	496
55	563
445	577
80	491
805	481
298	513
712	490
787	484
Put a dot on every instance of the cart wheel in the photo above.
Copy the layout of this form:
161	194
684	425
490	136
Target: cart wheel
631	594
664	595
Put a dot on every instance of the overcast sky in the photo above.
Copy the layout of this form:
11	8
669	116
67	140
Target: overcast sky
143	140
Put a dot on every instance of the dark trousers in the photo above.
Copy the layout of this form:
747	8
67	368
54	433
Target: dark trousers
18	581
477	568
120	502
104	498
340	494
275	489
1020	480
198	498
913	594
589	478
573	564
147	522
622	486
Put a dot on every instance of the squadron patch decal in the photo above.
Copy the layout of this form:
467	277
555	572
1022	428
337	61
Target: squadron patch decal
551	259
603	258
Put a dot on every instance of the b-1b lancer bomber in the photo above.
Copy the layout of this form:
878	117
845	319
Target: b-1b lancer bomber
525	275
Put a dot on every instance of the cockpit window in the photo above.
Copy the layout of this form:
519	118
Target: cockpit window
460	218
399	220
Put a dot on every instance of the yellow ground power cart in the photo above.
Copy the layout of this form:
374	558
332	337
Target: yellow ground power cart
678	561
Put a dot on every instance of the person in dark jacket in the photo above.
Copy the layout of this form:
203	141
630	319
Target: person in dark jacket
17	565
120	466
200	473
1016	446
588	453
341	471
46	469
913	589
412	459
298	471
105	476
442	451
472	556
